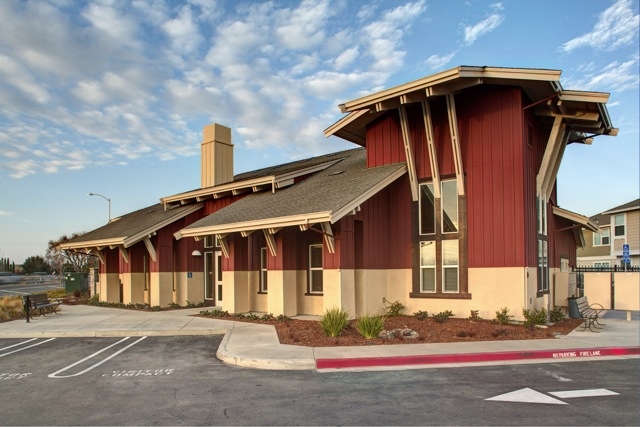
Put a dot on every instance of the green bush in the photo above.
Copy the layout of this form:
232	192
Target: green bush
334	321
443	316
475	315
393	309
421	314
556	315
370	326
503	317
534	316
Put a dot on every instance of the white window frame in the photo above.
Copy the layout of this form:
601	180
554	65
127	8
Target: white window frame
602	264
264	284
616	225
208	241
597	237
428	267
451	267
311	268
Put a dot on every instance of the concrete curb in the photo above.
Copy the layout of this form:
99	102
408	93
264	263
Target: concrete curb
464	358
114	334
230	358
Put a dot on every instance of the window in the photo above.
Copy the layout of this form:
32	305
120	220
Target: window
601	239
450	266
427	209
263	269
449	207
439	240
543	267
315	269
604	265
619	225
208	241
428	266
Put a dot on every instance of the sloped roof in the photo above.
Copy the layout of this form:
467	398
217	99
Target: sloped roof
278	176
130	228
631	206
326	196
583	112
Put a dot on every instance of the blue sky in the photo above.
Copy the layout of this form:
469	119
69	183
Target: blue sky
110	97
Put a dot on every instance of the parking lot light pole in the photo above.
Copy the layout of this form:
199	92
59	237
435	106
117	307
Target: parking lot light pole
106	198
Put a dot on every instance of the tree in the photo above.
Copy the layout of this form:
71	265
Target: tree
35	263
66	259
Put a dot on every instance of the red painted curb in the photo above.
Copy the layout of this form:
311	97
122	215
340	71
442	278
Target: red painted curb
431	359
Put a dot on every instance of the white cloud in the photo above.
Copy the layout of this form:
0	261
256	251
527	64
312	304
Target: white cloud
617	26
436	62
303	28
184	32
473	32
617	76
5	213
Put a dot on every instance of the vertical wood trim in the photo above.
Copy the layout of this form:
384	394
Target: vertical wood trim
455	142
271	242
150	248
550	151
463	239
328	237
411	164
433	159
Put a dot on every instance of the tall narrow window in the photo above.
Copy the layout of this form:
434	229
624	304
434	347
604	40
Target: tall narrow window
315	269
619	225
427	209
208	241
543	267
263	269
450	265
449	207
428	266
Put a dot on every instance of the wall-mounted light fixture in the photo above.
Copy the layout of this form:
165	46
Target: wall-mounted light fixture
196	253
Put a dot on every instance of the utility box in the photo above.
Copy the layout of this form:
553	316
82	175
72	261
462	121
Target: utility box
76	281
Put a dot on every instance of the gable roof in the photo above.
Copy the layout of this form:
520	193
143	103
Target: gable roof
131	228
584	112
275	177
631	206
325	196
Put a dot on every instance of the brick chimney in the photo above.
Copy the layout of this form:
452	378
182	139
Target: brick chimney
216	156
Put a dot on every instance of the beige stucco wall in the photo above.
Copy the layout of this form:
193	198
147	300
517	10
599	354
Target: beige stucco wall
627	291
258	302
160	289
597	288
132	288
339	290
109	287
235	291
188	289
370	288
282	298
307	304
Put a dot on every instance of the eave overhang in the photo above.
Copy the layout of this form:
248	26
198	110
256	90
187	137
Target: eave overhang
128	240
301	220
585	113
577	219
252	185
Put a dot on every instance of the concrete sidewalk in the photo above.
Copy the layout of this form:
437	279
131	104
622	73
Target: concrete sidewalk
257	346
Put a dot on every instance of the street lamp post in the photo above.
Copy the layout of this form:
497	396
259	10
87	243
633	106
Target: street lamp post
106	198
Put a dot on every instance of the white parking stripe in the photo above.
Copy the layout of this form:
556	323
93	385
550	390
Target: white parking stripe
55	374
569	394
24	348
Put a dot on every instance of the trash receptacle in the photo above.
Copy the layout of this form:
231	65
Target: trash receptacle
76	281
574	313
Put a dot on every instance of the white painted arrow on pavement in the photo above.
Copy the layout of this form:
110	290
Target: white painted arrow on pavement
527	395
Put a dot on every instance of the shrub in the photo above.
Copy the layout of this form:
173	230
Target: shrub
214	313
421	315
334	321
370	326
393	309
475	315
58	293
502	316
267	317
556	315
443	316
534	316
174	305
282	318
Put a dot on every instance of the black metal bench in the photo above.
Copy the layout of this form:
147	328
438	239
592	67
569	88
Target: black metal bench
590	313
43	304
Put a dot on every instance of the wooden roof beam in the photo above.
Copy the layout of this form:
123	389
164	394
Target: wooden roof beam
329	240
150	249
455	143
411	164
431	147
453	87
271	242
387	104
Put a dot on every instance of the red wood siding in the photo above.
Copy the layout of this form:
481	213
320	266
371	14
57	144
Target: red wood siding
562	244
490	128
384	141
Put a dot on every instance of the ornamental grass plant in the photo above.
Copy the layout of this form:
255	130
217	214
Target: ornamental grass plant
334	321
370	326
